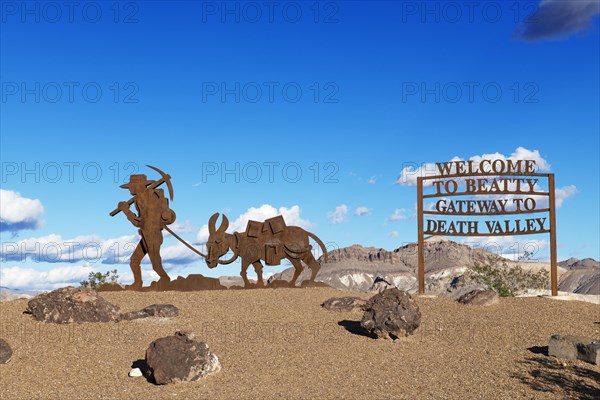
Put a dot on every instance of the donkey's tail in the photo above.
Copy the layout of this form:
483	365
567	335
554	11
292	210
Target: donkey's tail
321	244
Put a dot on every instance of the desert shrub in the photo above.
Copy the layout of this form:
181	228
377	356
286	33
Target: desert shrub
96	279
505	280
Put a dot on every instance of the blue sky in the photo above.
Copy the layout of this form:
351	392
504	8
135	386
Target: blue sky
354	90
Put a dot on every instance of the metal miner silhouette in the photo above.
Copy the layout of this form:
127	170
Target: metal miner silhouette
270	241
153	215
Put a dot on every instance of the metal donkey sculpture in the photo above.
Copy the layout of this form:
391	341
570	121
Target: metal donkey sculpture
270	241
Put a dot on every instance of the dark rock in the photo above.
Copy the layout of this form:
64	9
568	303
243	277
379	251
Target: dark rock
5	352
575	348
344	304
155	310
479	297
180	358
391	314
460	285
131	315
380	284
162	310
589	352
67	305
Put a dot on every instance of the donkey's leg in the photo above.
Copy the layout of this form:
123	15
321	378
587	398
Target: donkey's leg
309	259
258	267
297	270
245	265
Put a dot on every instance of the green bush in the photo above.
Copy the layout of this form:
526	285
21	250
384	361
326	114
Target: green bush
505	280
96	279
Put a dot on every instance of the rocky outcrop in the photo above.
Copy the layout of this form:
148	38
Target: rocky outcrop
575	263
575	348
180	358
356	268
229	281
155	310
8	294
479	298
380	284
344	304
5	352
68	305
391	314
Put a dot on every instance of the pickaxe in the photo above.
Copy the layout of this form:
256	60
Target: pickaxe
165	178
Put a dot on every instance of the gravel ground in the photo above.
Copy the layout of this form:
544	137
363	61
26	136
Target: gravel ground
280	344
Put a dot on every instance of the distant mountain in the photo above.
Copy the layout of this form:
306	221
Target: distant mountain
582	276
356	267
229	281
574	263
7	294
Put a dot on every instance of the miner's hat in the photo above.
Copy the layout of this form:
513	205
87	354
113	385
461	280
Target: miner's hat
137	178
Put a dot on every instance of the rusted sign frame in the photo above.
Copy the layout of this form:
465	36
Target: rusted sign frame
551	210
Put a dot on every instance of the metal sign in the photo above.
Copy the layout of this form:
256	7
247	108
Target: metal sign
516	179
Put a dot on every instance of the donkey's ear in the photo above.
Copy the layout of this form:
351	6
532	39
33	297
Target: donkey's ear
224	225
212	223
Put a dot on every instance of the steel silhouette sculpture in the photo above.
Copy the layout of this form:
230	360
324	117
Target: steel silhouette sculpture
153	215
270	241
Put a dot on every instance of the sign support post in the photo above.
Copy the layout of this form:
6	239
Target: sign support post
420	235
553	269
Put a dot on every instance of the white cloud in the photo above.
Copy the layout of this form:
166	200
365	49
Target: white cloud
90	248
394	234
176	255
360	211
203	234
408	175
118	250
53	248
372	180
148	275
181	228
563	193
398	215
338	215
28	278
18	213
290	215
